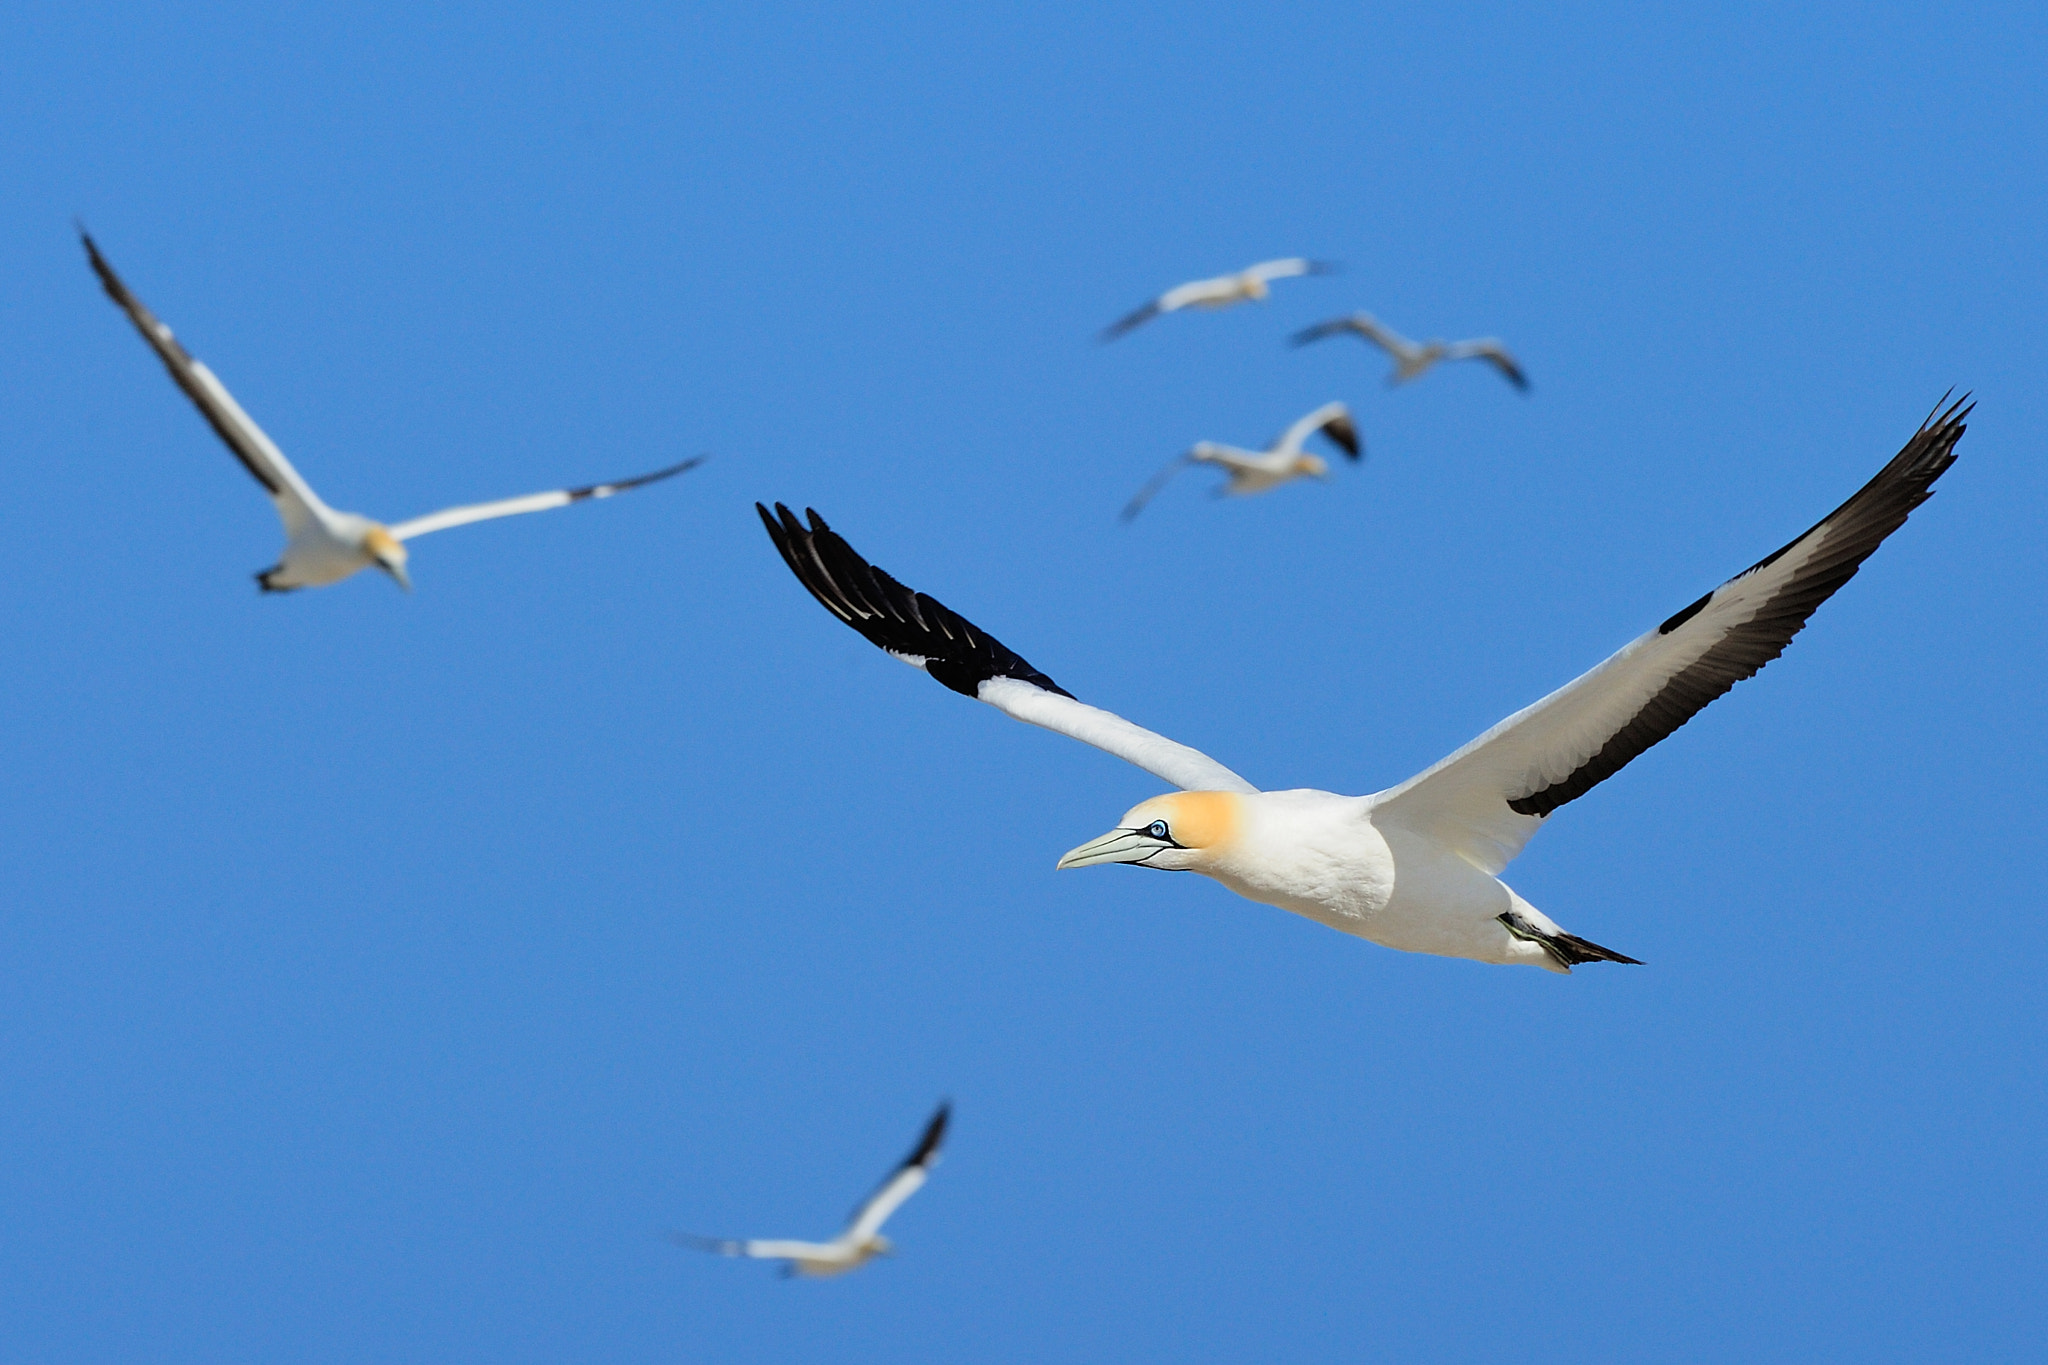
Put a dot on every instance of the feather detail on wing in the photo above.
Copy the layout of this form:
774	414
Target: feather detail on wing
531	502
907	1179
926	634
1489	797
236	429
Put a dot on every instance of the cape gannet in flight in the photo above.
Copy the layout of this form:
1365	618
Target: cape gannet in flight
1256	471
1221	292
862	1239
1416	866
1412	359
322	545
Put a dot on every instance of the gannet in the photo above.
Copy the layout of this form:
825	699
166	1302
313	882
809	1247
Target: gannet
862	1239
1255	471
1411	358
322	545
1220	292
1416	866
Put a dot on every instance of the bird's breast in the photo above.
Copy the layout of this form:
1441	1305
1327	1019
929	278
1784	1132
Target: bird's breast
1312	853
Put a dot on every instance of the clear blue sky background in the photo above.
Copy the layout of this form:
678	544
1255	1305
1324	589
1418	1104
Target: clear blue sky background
380	975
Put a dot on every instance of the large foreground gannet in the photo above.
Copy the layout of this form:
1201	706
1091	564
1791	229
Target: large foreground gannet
1415	866
1412	358
862	1239
1243	287
1255	471
322	545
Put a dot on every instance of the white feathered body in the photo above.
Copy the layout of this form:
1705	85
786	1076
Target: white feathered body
322	546
1322	856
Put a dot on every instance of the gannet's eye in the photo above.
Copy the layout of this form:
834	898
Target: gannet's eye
1157	829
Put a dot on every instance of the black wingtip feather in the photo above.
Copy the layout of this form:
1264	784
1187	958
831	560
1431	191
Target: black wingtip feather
895	618
934	1134
1343	433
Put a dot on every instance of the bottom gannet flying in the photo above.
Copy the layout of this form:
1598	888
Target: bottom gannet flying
1414	867
1256	471
322	545
862	1239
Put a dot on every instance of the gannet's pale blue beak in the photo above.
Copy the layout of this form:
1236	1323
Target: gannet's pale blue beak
1117	846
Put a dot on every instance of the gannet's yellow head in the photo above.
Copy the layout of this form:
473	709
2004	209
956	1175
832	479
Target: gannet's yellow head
1181	832
878	1245
390	553
1255	288
1314	466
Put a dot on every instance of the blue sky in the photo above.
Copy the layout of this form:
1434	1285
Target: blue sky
380	975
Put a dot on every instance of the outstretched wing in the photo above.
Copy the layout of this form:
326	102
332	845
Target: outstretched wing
1152	487
1329	328
1493	353
925	634
1363	325
257	452
531	502
756	1248
1331	419
717	1246
1291	265
1486	799
901	1183
1129	321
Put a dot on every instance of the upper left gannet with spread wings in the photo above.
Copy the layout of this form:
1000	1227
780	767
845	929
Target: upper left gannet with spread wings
322	545
1414	867
1245	286
862	1239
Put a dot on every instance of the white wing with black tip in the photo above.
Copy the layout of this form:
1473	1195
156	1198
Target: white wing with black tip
1136	318
1493	353
1153	485
531	502
1332	420
1181	296
1363	325
717	1246
907	1179
925	634
248	442
1489	797
760	1249
1289	266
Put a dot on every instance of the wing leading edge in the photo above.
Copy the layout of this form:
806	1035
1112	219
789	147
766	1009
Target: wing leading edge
907	1179
237	430
1489	797
531	502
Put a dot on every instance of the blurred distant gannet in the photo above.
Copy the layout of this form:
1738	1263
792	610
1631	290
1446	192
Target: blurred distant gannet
1412	359
862	1240
1416	866
1255	471
322	545
1220	292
